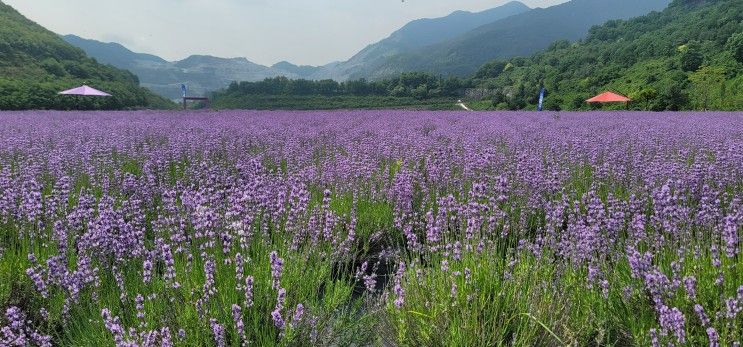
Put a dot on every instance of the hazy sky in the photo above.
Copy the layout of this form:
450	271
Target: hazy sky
312	32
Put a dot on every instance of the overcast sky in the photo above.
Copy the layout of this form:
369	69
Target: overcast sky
312	32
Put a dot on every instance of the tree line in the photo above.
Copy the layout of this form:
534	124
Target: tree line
418	85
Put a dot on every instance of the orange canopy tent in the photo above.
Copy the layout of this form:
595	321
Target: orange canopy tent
608	97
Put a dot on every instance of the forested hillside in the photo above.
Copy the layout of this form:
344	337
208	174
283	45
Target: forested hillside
35	64
518	35
689	56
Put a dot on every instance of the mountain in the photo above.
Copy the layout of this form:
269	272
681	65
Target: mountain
35	64
111	53
518	35
687	57
202	73
303	71
424	32
414	35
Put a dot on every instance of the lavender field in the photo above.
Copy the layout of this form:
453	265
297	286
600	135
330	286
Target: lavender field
357	228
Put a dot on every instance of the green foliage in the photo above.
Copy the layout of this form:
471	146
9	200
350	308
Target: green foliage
691	58
706	80
686	57
413	89
735	45
35	64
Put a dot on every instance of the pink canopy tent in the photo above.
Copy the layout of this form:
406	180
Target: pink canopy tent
608	97
85	91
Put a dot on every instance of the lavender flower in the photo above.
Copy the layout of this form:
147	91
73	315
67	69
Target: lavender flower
278	320
690	283
714	338
219	333
139	301
398	289
730	235
702	316
671	319
237	317
654	338
19	333
277	267
248	291
147	271
298	312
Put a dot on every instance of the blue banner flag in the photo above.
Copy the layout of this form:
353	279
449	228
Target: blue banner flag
183	89
541	99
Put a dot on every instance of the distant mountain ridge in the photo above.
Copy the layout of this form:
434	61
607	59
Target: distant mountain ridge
304	71
416	34
519	35
205	73
202	73
424	32
111	53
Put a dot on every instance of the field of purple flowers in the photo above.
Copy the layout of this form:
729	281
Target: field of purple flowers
371	228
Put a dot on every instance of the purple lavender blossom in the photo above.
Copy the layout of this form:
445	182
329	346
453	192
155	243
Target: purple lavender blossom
298	313
248	291
237	317
278	320
714	338
690	283
699	310
277	267
398	288
672	320
218	332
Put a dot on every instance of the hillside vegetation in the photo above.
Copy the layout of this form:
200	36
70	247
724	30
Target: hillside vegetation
687	57
35	64
518	35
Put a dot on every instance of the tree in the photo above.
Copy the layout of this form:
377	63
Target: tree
420	92
357	87
705	80
491	70
553	103
691	58
327	87
645	97
399	91
735	46
53	67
